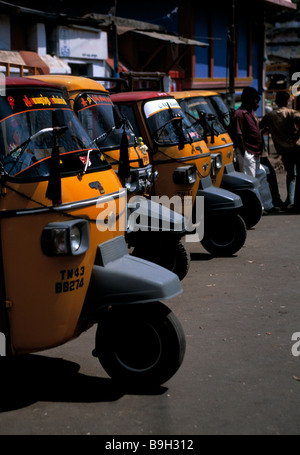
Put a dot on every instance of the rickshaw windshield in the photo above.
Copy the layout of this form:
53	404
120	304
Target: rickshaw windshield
221	110
32	122
194	107
167	122
95	112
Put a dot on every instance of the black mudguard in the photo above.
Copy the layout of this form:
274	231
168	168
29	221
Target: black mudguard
237	181
118	278
217	199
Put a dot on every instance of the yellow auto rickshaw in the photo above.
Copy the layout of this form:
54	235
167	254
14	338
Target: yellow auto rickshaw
64	261
129	157
199	106
183	161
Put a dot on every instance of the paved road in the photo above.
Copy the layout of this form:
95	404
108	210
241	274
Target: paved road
238	377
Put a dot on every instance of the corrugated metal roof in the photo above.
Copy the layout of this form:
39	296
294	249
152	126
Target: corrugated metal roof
284	52
171	38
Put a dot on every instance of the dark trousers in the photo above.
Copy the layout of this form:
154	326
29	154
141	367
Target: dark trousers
272	180
291	162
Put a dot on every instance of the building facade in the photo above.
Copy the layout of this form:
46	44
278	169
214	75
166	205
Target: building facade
208	45
234	33
52	42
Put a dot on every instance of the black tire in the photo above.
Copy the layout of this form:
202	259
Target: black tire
224	235
182	260
251	212
173	256
140	344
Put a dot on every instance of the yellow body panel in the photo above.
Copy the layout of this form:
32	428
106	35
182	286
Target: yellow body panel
136	158
167	159
224	145
45	294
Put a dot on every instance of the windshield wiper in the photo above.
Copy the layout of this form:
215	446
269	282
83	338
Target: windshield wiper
202	121
177	120
22	147
171	120
102	136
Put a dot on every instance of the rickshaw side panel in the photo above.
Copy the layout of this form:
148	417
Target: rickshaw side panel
224	145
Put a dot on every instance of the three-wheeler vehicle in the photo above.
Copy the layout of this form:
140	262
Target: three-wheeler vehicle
199	107
64	261
183	161
160	239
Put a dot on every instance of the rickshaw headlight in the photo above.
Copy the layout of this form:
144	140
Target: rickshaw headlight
185	175
75	238
131	183
65	238
216	162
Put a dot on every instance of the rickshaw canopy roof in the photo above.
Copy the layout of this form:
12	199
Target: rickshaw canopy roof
24	81
138	96
72	83
193	93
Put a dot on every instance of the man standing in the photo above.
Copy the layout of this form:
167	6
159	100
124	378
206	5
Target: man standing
284	126
249	141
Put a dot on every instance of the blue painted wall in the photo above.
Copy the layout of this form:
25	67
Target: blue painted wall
220	32
242	33
165	13
201	34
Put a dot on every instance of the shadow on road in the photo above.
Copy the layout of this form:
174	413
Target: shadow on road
207	256
201	256
30	378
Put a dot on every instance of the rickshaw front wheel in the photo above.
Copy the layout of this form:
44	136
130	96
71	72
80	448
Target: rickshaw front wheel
224	235
251	211
140	344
